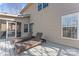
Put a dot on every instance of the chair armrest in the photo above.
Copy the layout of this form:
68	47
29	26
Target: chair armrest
33	36
43	40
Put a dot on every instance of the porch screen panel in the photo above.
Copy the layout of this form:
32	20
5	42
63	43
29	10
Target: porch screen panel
2	29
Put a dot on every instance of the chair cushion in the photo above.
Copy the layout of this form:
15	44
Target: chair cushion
22	46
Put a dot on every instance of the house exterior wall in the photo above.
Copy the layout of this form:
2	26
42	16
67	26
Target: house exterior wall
48	21
22	20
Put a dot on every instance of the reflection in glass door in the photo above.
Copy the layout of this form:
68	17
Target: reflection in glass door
11	32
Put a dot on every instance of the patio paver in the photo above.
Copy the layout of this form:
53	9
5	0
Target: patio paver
48	49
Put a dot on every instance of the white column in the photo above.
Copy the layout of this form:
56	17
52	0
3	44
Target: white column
6	29
78	27
15	29
28	27
28	23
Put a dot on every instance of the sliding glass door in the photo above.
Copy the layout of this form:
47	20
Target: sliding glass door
18	29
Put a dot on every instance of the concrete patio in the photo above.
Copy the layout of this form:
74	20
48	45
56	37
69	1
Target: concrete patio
48	49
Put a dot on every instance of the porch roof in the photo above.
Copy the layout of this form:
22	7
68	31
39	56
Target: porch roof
14	16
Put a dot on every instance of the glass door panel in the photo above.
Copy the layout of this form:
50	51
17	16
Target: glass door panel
18	29
11	29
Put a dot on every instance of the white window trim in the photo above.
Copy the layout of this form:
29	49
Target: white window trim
61	25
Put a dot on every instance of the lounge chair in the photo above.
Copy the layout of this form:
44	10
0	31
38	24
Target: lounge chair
21	39
23	46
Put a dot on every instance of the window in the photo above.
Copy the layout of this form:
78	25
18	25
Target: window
31	27
69	26
25	27
39	6
42	5
45	5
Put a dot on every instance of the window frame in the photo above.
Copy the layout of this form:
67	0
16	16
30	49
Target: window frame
25	30
40	6
45	5
63	37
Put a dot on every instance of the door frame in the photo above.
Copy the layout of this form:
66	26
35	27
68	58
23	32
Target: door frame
7	32
17	29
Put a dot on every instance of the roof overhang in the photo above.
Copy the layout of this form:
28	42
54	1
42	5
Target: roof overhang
11	15
26	7
15	16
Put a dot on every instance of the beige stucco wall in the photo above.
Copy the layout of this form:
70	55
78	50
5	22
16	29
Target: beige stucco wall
23	21
48	21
